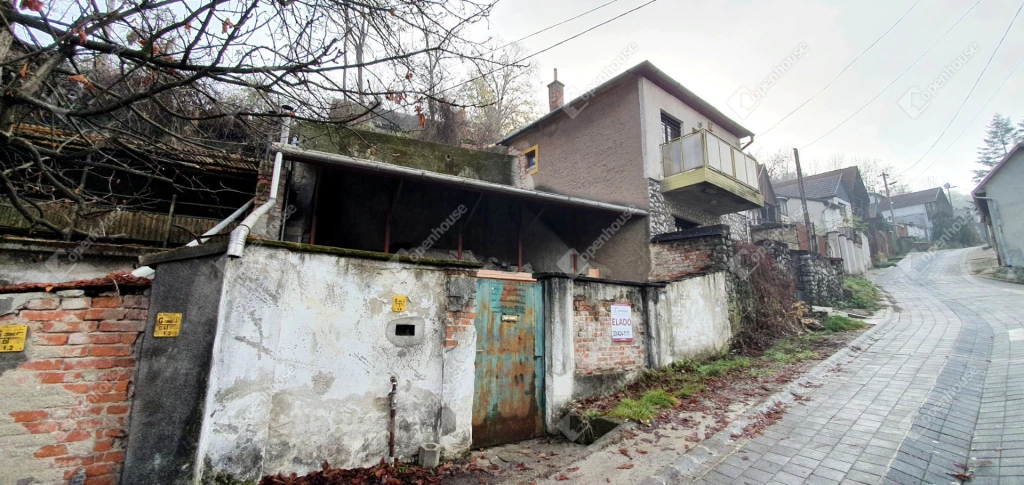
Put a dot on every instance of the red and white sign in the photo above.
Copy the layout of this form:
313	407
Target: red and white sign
622	323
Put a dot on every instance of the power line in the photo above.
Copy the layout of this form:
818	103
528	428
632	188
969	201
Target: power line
886	88
968	125
770	128
553	26
969	93
535	54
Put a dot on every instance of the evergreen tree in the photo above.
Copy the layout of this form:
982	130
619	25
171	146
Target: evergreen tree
999	138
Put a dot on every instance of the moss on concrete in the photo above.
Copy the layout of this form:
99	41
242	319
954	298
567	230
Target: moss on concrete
408	152
358	253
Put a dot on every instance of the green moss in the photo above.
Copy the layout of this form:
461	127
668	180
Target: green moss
358	253
840	323
407	152
659	398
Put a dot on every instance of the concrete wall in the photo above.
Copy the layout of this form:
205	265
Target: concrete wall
302	362
654	100
65	398
692	319
25	260
1005	188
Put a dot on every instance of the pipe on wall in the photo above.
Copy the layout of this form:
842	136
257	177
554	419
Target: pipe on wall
236	243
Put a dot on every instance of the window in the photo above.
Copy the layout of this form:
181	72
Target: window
531	160
671	128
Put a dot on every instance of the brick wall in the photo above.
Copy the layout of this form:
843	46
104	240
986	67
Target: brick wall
65	399
460	312
595	351
671	259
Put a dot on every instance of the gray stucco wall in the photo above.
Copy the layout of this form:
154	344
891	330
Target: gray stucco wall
1005	188
692	319
172	376
25	260
303	358
598	155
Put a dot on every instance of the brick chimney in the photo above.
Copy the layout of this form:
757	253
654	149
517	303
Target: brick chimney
556	93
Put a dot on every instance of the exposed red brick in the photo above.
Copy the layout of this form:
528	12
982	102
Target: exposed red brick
73	436
136	315
57	326
118	409
41	427
98	469
106	302
90	363
50	451
125	326
111	457
102	480
73	461
53	315
47	364
95	338
43	304
103	445
29	416
104	314
110	351
136	301
44	339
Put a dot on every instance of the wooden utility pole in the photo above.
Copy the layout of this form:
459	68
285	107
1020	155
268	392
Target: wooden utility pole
892	215
803	198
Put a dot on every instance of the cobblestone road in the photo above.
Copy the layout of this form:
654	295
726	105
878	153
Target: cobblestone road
938	388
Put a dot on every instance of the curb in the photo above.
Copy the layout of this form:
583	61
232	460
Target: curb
707	454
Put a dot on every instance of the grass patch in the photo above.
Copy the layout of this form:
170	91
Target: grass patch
633	409
790	351
691	388
840	323
720	367
864	295
659	398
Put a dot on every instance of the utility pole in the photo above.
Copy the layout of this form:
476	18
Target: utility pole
803	198
892	215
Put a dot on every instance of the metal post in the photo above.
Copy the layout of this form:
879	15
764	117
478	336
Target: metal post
391	425
170	219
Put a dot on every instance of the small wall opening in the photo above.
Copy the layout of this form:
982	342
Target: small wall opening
405	330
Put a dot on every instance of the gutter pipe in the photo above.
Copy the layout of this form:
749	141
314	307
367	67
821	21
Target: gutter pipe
236	244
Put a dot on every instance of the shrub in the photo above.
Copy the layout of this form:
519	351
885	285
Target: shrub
863	293
763	309
840	323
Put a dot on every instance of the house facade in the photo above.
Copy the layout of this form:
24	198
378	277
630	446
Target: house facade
834	199
918	209
1000	200
642	140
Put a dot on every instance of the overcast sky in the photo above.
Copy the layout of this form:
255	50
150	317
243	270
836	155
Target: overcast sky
719	48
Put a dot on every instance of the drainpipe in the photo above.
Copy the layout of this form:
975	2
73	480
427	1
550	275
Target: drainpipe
997	227
744	147
236	244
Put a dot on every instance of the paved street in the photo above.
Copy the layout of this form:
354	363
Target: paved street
939	388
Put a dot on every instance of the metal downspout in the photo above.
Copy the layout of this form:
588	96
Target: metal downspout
236	244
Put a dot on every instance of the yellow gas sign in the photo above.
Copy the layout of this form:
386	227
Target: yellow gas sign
12	338
167	325
398	304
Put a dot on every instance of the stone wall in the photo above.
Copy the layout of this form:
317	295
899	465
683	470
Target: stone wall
690	252
819	280
776	231
662	211
65	399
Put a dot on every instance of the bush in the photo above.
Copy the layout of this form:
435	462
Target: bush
863	293
840	323
763	310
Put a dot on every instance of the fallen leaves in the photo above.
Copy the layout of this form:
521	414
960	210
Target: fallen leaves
383	473
627	466
625	453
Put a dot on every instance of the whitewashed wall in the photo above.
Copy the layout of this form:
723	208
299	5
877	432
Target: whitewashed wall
301	366
692	320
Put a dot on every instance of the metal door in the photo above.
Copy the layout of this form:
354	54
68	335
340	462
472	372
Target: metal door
509	391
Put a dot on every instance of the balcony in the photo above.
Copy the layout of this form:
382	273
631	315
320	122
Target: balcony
703	171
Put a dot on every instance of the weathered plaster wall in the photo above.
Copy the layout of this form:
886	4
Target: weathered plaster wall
560	364
302	362
692	319
25	260
603	365
1005	188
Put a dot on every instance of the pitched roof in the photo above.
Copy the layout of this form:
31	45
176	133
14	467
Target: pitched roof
820	186
1013	151
912	199
662	80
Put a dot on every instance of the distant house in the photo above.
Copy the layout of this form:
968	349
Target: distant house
918	208
833	198
1001	202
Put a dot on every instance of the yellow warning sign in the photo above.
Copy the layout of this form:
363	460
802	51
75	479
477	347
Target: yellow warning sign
167	325
398	304
12	338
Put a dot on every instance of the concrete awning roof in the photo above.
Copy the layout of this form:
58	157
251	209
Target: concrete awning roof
343	161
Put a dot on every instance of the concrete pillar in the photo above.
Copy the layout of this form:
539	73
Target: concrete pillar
560	361
844	252
834	249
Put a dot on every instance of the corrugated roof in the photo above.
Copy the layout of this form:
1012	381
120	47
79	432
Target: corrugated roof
912	199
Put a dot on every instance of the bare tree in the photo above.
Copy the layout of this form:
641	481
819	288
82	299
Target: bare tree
160	76
779	164
505	98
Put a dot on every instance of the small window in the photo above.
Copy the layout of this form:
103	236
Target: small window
531	160
671	128
405	330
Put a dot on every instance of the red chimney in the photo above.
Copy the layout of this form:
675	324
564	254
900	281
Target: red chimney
556	93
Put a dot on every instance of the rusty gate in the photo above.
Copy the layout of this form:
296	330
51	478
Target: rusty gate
509	390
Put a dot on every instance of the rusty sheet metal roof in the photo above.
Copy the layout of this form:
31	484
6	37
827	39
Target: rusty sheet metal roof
187	156
112	280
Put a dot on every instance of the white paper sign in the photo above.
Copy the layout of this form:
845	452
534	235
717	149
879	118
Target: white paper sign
622	323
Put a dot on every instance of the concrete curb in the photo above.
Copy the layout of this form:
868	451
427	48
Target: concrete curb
703	457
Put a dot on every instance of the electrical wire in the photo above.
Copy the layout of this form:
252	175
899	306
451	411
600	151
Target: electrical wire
887	86
553	26
770	128
969	93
